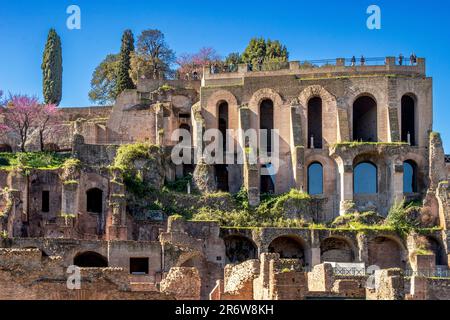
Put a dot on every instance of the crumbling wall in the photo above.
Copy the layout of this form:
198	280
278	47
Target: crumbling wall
389	285
184	283
238	280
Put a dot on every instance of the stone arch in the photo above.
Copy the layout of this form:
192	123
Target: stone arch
337	249
329	172
315	178
329	111
365	118
90	259
211	112
408	118
386	252
365	177
289	247
435	245
239	248
264	94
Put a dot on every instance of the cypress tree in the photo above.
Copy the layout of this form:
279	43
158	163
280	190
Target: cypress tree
123	69
52	69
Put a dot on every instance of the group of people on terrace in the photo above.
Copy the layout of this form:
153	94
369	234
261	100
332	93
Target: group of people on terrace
401	60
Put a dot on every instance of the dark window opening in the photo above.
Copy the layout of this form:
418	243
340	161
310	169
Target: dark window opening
365	179
139	266
315	123
267	179
184	115
315	179
365	127
409	177
240	249
186	127
5	148
408	120
94	201
222	177
266	123
223	122
288	248
45	201
90	260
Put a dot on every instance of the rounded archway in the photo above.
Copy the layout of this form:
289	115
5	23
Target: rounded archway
315	178
365	127
433	245
266	124
90	259
336	250
365	178
409	177
315	123
288	247
408	119
239	249
385	253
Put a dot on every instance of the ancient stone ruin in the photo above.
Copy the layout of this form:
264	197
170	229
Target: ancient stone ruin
359	207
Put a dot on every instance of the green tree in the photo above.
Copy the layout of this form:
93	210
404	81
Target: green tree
260	51
153	57
104	81
52	69
233	58
123	69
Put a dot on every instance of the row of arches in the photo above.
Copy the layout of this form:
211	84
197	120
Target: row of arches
382	251
364	120
365	178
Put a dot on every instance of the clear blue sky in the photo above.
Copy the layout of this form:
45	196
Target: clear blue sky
310	29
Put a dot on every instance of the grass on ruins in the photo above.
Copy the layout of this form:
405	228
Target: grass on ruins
32	160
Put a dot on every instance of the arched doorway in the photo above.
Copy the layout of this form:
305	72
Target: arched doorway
240	249
315	123
409	177
336	250
94	201
385	253
408	123
365	178
365	127
90	259
266	123
288	247
222	177
315	179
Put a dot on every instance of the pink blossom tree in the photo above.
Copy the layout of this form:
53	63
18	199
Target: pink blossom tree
194	63
24	115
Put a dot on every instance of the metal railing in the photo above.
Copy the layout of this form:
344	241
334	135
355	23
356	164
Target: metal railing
349	272
437	273
447	158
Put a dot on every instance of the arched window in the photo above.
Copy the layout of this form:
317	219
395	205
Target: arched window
186	127
94	201
409	176
223	122
315	179
315	123
365	178
408	120
90	260
365	126
266	122
288	247
239	249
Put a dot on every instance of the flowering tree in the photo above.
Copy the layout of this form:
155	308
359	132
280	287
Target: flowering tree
194	63
47	117
23	116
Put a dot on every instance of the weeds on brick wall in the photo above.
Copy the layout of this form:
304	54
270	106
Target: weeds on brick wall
179	185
